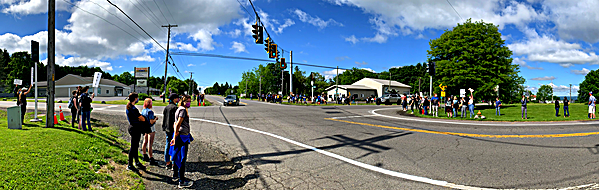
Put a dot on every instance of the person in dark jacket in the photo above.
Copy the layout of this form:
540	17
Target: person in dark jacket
566	108
136	124
167	125
556	106
22	101
524	101
85	102
74	107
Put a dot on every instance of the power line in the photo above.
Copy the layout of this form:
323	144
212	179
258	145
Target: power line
169	11
136	24
116	17
157	25
161	12
150	10
104	20
454	10
245	58
245	9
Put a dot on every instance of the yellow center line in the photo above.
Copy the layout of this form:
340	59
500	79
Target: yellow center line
470	134
243	103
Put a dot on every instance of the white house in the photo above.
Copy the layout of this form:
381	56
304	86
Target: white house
66	84
367	87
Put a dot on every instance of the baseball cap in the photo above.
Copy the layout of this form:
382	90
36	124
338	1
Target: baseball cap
591	92
173	96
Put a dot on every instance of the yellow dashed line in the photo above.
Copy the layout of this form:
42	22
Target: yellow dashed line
243	103
470	134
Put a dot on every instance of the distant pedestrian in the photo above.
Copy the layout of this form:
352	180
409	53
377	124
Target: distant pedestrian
426	105
73	106
167	126
136	123
404	102
498	104
448	106
435	103
471	106
412	104
418	104
592	106
180	142
79	92
454	106
463	107
524	101
149	135
85	102
22	101
566	108
556	107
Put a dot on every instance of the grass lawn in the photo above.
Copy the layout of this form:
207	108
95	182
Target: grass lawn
535	112
63	157
154	103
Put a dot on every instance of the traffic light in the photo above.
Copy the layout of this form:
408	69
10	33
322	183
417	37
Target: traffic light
268	46
35	51
273	51
431	68
282	63
257	33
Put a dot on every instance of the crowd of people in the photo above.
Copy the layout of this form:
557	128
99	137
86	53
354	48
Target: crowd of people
296	99
176	125
80	103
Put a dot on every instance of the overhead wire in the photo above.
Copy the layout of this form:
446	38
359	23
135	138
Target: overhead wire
152	12
245	58
161	12
169	11
136	24
454	10
136	6
116	17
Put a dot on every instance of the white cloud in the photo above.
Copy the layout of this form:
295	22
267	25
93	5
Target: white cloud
80	61
235	33
120	67
332	73
379	38
31	7
370	70
547	49
146	58
522	63
359	63
316	21
352	39
288	22
202	64
574	20
238	47
544	78
184	46
191	65
342	58
583	71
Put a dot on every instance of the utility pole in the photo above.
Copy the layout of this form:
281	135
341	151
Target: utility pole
282	92
390	84
167	58
291	73
419	84
570	92
246	91
259	86
430	90
337	72
50	65
191	83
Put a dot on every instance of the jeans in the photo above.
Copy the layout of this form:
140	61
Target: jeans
497	110
523	111
23	111
434	111
74	118
463	111
566	111
471	110
557	109
85	116
426	108
179	172
169	137
135	144
454	112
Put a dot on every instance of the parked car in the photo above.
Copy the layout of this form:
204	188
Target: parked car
231	100
389	99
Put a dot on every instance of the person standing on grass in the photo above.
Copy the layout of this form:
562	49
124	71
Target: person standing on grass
449	106
181	141
149	137
78	105
167	125
556	106
524	101
73	107
435	103
498	104
463	107
454	106
566	108
136	124
85	102
22	101
471	106
592	106
425	105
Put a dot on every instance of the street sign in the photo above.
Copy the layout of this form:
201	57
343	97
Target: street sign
18	81
142	72
462	92
97	78
31	76
141	82
443	93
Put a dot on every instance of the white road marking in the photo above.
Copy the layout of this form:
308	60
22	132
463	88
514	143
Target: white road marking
483	124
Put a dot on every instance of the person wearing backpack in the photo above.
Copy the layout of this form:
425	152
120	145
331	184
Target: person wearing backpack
85	102
73	107
22	101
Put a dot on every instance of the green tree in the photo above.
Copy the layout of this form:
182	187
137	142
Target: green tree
125	78
473	55
177	86
544	93
589	84
19	67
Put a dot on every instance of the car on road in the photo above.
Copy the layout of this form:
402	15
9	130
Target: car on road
389	99
231	100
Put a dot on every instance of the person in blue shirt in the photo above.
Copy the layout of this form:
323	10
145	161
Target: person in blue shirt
566	108
435	103
498	104
524	101
149	135
592	106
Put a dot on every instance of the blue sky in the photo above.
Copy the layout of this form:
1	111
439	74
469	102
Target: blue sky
554	42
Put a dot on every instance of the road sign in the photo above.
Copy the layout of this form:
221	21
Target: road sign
142	82
462	92
18	81
142	72
31	76
97	78
443	93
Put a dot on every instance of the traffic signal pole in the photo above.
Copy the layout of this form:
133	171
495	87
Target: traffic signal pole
291	73
430	91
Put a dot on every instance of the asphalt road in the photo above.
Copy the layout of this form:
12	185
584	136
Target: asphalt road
349	147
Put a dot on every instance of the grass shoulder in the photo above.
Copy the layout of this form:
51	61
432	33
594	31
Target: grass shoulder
63	157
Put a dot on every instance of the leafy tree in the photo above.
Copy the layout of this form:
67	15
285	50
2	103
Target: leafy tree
473	55
125	78
355	74
589	84
19	67
177	86
544	93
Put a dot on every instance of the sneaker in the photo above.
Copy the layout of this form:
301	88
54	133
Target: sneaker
175	179
185	184
140	166
146	158
132	168
169	166
153	162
